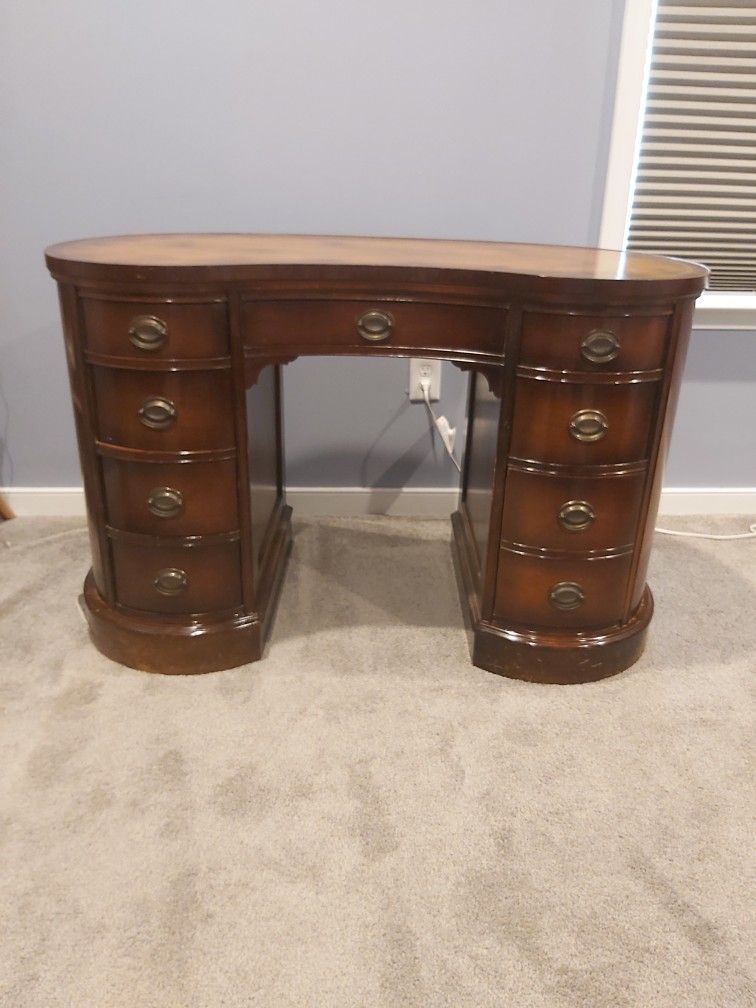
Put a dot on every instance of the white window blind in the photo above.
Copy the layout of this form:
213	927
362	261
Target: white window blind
695	193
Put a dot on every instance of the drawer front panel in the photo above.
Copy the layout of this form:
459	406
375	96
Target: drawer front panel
571	513
177	579
155	329
549	416
593	342
181	499
362	324
190	410
563	593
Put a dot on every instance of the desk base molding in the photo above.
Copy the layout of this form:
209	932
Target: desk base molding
567	659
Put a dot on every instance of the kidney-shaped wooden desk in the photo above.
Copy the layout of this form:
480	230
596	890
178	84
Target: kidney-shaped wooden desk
175	345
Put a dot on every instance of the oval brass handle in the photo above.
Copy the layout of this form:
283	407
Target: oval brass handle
171	581
588	425
165	502
566	595
600	346
157	413
576	515
375	325
148	332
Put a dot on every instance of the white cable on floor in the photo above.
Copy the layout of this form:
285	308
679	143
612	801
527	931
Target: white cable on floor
707	535
425	386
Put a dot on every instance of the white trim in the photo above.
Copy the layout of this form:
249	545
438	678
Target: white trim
713	310
407	502
45	502
348	502
708	501
627	121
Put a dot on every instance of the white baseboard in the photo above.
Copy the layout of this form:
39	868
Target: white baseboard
708	501
45	502
346	502
308	502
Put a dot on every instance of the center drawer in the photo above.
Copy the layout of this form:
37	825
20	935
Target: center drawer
358	325
164	410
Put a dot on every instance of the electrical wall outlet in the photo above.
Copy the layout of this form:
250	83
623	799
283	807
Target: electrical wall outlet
419	368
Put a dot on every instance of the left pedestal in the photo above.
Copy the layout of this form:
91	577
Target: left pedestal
182	476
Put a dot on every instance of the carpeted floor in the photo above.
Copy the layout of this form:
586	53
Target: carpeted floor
363	818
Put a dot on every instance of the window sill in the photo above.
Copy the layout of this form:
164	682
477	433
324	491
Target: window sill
725	311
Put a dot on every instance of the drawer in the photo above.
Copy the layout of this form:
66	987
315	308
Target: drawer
172	498
571	513
194	412
361	324
593	342
155	330
563	593
551	418
177	579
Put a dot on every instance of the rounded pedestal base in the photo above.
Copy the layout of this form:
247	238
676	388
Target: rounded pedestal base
171	648
562	657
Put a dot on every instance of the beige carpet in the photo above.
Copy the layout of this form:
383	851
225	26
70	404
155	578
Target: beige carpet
363	818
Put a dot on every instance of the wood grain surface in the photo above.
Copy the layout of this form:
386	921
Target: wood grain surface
182	250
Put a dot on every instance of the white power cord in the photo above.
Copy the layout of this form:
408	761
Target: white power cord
445	432
707	535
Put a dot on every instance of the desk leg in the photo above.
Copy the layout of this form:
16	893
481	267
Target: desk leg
477	521
263	497
208	642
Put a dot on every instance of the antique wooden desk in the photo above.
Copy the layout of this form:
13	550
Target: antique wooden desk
175	345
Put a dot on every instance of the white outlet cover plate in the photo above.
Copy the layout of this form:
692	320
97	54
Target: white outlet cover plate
422	367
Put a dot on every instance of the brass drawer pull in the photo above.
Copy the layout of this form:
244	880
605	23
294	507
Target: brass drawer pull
157	413
600	346
165	502
171	581
576	515
566	595
588	425
375	325
148	332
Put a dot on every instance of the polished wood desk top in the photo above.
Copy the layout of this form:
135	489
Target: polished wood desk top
175	346
231	256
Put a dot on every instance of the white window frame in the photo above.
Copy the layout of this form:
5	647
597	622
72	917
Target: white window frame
713	310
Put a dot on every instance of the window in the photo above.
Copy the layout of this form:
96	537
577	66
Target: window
682	169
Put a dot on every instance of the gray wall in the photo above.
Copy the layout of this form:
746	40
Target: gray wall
487	119
714	442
